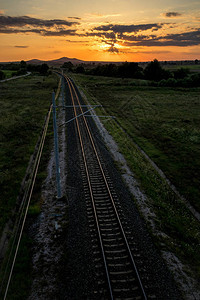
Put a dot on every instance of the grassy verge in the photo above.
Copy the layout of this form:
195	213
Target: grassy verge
8	73
164	122
25	103
21	280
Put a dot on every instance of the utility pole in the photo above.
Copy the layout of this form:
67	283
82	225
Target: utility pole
56	147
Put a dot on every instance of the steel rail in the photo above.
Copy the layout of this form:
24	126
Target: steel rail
110	194
91	193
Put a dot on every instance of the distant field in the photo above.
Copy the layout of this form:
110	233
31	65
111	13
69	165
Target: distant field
192	68
24	104
8	73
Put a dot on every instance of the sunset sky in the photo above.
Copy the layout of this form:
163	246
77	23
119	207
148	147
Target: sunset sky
108	30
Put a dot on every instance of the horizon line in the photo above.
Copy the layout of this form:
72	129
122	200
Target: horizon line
97	61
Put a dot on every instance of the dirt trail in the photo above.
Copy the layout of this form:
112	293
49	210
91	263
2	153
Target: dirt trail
15	77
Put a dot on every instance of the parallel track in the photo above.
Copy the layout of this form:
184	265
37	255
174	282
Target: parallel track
121	274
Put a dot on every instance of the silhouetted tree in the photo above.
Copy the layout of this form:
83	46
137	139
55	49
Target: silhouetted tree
44	69
68	65
20	72
2	75
23	64
181	73
12	67
130	70
195	79
125	70
154	71
80	69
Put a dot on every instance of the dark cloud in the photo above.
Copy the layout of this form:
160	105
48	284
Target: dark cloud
128	28
185	39
107	35
77	42
42	32
172	14
97	34
122	34
58	33
127	35
8	31
136	38
111	34
155	52
75	18
182	40
7	21
28	25
23	47
14	31
113	49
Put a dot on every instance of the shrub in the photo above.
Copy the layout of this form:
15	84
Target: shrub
162	83
195	80
181	73
192	81
185	82
80	69
21	72
44	69
154	71
171	82
2	75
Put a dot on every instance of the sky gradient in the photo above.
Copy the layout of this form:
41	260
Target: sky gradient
106	30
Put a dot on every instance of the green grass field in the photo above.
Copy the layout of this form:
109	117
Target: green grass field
8	73
164	122
24	105
192	68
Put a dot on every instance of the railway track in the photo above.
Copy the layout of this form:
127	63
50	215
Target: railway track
119	277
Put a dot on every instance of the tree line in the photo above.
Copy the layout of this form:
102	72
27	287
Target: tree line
153	72
22	68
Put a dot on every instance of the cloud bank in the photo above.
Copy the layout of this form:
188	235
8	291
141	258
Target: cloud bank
117	37
172	14
7	21
21	47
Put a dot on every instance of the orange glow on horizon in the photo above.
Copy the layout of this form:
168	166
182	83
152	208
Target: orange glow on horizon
97	52
106	34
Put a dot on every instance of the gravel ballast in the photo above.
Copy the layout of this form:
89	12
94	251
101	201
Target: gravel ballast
63	261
